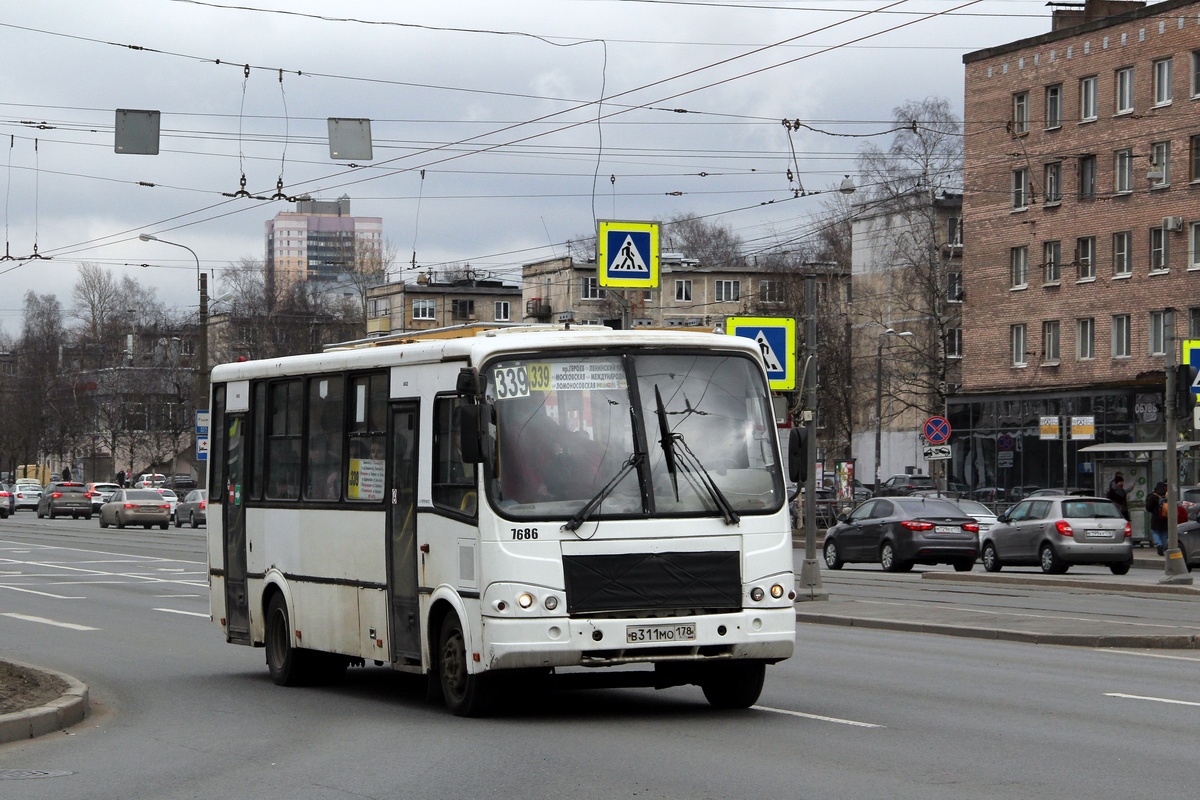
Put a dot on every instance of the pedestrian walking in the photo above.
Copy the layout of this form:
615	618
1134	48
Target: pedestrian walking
1117	493
1156	504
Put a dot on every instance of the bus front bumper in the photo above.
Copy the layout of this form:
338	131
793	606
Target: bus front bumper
759	634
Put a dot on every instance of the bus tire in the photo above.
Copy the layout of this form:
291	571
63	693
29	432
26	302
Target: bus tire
289	666
464	694
735	685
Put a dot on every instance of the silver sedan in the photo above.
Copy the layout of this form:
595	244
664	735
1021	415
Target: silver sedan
144	507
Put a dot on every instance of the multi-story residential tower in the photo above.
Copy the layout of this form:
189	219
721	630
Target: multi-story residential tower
1082	206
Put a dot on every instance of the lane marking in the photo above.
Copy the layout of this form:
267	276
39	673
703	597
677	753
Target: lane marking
187	613
1002	613
1152	699
42	594
1147	655
177	596
818	717
45	621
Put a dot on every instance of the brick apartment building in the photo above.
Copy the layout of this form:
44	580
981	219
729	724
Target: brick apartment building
1082	207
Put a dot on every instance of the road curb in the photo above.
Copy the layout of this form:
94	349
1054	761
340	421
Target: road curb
1157	642
1063	583
69	709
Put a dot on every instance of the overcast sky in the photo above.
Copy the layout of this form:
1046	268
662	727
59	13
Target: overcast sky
494	100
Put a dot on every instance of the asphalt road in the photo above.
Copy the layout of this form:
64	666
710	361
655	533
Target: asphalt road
858	713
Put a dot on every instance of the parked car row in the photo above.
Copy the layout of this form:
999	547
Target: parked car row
115	505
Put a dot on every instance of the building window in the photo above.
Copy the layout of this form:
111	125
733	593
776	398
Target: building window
463	309
1196	73
1052	261
1122	253
770	291
1120	336
1087	176
1018	258
1085	339
1054	182
1194	246
1160	161
1193	323
954	343
1158	333
1123	171
1194	159
1087	98
424	309
1020	115
1054	106
502	311
1162	82
1050	337
1016	338
954	287
1020	188
1125	90
954	231
1158	240
377	307
1085	251
683	291
590	289
728	291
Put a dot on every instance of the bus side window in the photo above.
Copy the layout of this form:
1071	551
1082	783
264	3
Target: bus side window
283	441
453	479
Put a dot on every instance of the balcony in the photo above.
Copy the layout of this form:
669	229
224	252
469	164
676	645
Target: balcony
538	309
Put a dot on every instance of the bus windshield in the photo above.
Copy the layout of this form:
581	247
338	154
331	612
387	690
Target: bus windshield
675	434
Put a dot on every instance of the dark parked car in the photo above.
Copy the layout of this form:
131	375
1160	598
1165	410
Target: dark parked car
65	498
901	485
1057	532
192	509
180	483
1189	544
901	531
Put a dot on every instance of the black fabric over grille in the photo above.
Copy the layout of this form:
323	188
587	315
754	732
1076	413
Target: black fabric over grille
652	582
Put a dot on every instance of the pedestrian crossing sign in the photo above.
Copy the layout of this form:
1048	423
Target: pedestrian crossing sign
776	340
627	254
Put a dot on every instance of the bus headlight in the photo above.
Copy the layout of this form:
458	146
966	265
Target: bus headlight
525	600
551	603
777	591
756	594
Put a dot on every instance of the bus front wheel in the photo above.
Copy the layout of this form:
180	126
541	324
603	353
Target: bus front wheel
736	685
463	693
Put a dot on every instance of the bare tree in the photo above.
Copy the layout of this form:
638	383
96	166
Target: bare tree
913	189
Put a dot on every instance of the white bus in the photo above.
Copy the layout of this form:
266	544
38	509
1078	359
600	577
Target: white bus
514	502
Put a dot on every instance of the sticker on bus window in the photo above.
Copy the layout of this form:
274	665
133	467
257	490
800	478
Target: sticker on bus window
366	481
512	382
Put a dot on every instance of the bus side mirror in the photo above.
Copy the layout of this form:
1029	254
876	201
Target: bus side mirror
471	425
798	455
470	383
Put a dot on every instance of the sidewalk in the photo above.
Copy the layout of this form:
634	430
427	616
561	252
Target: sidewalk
981	621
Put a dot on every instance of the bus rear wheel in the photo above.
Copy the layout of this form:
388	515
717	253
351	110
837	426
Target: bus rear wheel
735	685
464	694
289	666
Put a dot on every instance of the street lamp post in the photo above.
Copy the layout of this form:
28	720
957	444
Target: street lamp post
202	354
879	399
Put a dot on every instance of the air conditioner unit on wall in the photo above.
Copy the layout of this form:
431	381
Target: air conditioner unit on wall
1172	223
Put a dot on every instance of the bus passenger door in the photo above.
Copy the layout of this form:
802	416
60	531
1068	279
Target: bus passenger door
402	535
233	509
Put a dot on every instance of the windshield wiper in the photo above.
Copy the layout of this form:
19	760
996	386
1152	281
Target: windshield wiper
667	440
690	461
581	516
